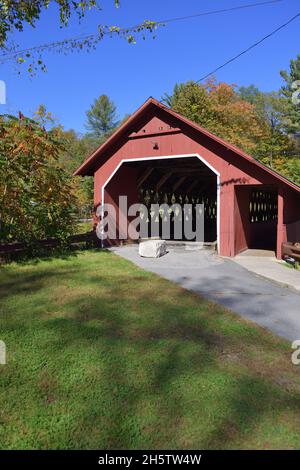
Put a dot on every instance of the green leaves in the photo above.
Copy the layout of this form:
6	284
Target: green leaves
291	84
279	147
102	116
36	195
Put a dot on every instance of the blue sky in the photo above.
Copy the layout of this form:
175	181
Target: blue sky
129	74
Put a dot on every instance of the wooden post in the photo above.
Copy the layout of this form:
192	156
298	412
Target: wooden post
281	235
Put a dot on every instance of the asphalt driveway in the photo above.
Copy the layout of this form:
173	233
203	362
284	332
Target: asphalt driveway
225	282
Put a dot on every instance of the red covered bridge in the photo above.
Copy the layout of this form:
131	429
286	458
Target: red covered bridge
159	154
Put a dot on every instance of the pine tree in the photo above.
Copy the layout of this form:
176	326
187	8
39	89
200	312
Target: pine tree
102	116
291	92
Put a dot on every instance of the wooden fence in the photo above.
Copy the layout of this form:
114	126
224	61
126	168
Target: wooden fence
86	240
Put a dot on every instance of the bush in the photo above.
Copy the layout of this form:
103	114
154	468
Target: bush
36	195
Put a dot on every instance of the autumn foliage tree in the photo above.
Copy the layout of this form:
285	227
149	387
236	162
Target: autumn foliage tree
252	120
218	108
36	194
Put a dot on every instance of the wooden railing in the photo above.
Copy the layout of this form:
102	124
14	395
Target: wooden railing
291	250
88	239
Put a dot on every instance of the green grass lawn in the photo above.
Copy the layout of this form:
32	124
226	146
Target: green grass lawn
101	354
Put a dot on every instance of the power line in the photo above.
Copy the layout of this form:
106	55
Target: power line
10	55
249	48
213	12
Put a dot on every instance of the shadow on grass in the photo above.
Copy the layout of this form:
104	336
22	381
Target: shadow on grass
140	363
176	354
47	254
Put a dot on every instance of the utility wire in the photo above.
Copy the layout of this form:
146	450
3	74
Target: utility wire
249	48
213	12
12	54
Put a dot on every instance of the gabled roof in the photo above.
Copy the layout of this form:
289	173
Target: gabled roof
151	103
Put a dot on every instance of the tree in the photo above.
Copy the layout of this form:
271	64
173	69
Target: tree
291	92
102	117
275	145
252	120
170	100
219	108
44	117
15	15
281	110
291	169
36	195
250	93
76	149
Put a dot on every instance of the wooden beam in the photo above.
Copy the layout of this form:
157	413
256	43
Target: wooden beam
163	179
179	183
192	186
144	176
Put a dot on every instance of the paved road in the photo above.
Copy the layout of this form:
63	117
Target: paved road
227	283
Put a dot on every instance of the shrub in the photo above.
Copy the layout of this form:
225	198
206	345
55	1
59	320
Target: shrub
36	195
